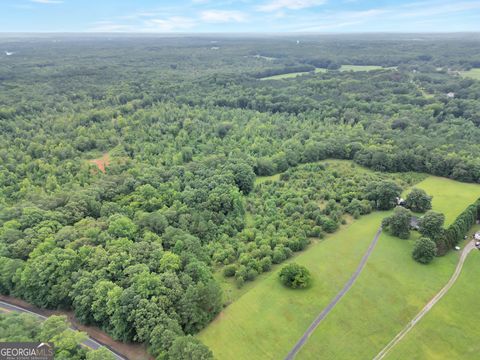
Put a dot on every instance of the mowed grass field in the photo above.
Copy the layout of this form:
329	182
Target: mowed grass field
449	197
361	67
392	288
292	75
450	329
472	74
321	70
267	320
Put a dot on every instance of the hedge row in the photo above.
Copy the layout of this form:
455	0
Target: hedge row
459	228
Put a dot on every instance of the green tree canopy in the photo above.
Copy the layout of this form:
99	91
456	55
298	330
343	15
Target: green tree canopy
399	222
189	348
384	194
431	225
295	276
424	251
122	226
418	200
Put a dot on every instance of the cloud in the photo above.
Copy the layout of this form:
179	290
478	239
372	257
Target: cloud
433	9
174	23
222	16
158	25
109	26
407	16
47	1
276	5
288	16
342	19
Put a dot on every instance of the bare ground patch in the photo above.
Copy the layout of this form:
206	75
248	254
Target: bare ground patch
101	163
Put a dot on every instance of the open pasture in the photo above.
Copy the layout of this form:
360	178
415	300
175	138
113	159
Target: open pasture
293	75
267	320
392	288
472	74
450	329
360	68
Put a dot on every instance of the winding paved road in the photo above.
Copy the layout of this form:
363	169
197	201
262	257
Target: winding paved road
291	355
90	343
469	247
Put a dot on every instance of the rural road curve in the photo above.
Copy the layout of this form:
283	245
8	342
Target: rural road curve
469	247
291	355
91	343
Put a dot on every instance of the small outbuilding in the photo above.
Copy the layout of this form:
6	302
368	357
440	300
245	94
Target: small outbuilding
477	236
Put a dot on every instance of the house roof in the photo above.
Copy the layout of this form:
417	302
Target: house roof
414	221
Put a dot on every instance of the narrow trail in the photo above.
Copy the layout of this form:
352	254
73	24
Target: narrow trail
469	247
291	355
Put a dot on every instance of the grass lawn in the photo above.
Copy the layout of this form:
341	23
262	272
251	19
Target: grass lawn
391	289
449	197
361	67
450	329
292	75
269	318
262	179
472	74
320	70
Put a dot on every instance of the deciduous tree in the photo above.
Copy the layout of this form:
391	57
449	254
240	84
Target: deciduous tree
424	251
418	200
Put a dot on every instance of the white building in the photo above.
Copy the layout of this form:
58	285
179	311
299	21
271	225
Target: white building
477	236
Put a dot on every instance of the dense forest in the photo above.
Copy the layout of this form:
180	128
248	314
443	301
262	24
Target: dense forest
130	166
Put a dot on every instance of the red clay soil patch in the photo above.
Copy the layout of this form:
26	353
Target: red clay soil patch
102	163
130	351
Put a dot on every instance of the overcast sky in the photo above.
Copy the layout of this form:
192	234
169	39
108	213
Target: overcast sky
192	16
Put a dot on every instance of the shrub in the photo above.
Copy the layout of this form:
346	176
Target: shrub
316	231
295	276
239	281
278	256
229	270
251	274
330	226
266	263
424	251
